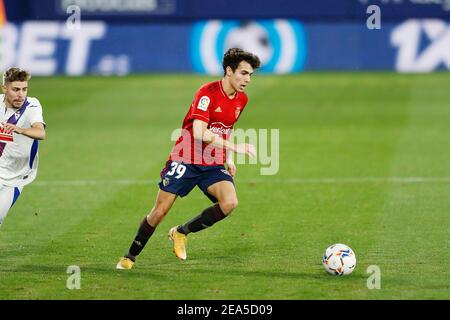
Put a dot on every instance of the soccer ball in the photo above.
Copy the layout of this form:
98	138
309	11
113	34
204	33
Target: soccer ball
339	260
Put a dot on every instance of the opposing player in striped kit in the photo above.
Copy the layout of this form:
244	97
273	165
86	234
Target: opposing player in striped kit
21	126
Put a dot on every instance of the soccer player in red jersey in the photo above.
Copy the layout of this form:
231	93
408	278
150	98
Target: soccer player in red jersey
199	155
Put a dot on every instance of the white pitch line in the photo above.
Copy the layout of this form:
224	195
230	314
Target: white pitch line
343	180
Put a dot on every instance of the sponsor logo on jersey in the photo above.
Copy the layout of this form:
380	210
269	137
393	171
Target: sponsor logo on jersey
5	137
203	103
220	128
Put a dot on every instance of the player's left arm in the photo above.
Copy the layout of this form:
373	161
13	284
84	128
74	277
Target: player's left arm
37	130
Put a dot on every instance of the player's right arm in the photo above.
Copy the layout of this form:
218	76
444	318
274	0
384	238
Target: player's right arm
201	132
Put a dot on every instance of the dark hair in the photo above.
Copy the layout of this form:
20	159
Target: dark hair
15	74
234	56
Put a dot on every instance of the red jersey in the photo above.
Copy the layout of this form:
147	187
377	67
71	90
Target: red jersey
214	107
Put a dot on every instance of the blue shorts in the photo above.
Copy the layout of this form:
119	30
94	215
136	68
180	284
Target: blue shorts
180	178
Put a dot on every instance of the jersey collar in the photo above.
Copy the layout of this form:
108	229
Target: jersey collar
223	92
3	104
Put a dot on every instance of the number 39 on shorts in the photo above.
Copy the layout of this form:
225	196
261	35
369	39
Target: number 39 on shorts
177	168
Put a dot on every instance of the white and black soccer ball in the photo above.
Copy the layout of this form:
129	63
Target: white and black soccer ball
339	259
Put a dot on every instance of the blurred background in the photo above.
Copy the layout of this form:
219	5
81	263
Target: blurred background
141	36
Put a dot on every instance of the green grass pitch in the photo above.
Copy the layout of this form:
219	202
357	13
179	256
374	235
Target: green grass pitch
364	160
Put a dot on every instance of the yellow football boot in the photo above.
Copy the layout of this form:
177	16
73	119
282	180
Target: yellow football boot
125	263
179	243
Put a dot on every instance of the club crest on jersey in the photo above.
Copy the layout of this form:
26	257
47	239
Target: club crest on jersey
203	103
166	182
237	112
